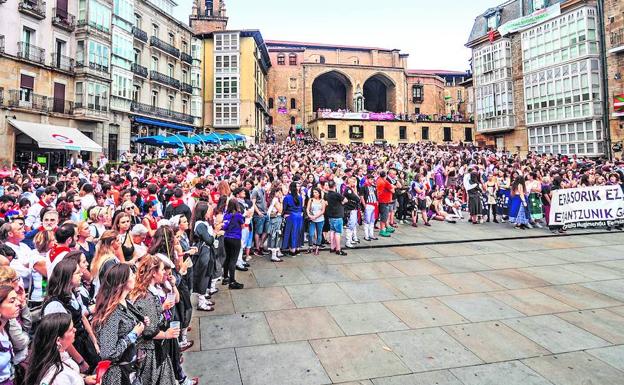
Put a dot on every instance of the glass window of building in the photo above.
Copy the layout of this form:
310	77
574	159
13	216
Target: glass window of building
170	70
138	21
172	39
292	59
155	30
154	63
99	16
171	102
226	87
136	93
226	114
154	99
226	41
99	55
281	59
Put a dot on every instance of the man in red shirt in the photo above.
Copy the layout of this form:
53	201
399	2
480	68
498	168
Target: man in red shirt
384	194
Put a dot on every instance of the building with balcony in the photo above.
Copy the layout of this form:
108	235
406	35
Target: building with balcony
614	42
537	77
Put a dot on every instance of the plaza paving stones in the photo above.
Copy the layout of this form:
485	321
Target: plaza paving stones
577	368
519	311
425	312
429	349
508	373
366	318
494	341
357	358
322	294
442	377
555	334
480	307
292	363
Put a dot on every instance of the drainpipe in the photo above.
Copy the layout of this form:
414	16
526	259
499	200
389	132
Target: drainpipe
605	80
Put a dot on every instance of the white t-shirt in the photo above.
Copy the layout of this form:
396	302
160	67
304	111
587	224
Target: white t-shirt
55	307
69	375
37	279
21	264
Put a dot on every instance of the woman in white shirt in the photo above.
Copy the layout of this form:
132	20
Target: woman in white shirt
50	363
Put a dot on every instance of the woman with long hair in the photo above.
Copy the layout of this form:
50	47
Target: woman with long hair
233	221
275	225
84	292
61	298
149	300
100	220
107	254
204	266
9	309
316	211
518	207
51	363
122	224
84	241
293	215
117	325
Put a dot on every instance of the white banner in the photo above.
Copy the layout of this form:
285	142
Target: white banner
535	18
586	207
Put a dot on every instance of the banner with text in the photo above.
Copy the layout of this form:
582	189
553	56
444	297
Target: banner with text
535	18
587	207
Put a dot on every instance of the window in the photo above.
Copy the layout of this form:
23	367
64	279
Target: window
226	63
185	76
226	114
226	41
154	98
184	47
292	59
417	93
379	132
402	133
293	120
80	52
292	84
123	49
331	131
171	102
79	95
27	84
447	134
293	103
185	106
226	87
82	10
493	21
281	59
271	101
196	107
97	96
417	110
122	84
171	39
154	63
425	133
137	20
356	132
99	16
170	70
539	4
468	134
322	59
155	30
99	55
459	95
124	10
136	94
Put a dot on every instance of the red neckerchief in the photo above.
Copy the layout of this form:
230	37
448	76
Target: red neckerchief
58	250
42	203
176	202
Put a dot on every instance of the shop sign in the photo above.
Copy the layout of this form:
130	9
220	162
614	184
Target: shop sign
535	18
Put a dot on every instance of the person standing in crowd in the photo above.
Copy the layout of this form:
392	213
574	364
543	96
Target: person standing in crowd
371	207
204	266
9	309
491	190
385	189
419	189
274	212
293	216
261	219
315	210
472	184
233	222
351	207
518	208
335	214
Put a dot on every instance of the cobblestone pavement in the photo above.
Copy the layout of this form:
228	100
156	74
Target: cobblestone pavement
534	311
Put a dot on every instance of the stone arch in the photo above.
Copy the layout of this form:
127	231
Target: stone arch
332	90
379	93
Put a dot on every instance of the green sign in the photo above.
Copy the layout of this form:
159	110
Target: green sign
42	160
535	18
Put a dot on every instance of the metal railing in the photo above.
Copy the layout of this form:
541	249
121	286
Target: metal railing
185	57
34	8
99	110
139	34
139	70
164	79
63	19
185	87
164	46
616	38
94	66
62	62
160	112
30	52
90	26
27	99
61	106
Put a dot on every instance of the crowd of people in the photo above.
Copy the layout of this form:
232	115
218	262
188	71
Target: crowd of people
101	268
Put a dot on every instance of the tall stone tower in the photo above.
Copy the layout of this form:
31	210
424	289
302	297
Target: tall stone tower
208	16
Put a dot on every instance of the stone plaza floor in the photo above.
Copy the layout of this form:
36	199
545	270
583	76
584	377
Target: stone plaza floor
536	310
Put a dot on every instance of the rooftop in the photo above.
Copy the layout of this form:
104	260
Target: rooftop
281	43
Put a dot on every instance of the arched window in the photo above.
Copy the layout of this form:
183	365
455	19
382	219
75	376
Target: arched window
322	59
292	120
270	102
293	103
292	59
281	59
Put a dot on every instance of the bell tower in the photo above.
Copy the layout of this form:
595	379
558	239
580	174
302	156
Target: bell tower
208	16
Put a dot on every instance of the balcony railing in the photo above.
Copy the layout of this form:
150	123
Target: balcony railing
103	70
164	46
63	19
160	112
139	70
164	79
27	99
30	52
62	62
93	28
185	87
61	106
99	111
185	57
139	34
34	8
616	38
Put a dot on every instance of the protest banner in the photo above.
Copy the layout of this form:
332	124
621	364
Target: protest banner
587	207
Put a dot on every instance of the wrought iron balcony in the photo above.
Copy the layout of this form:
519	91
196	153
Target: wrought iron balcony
164	79
164	46
27	99
159	112
139	34
62	62
139	70
30	52
61	106
63	19
185	87
103	70
616	38
34	8
95	29
185	57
